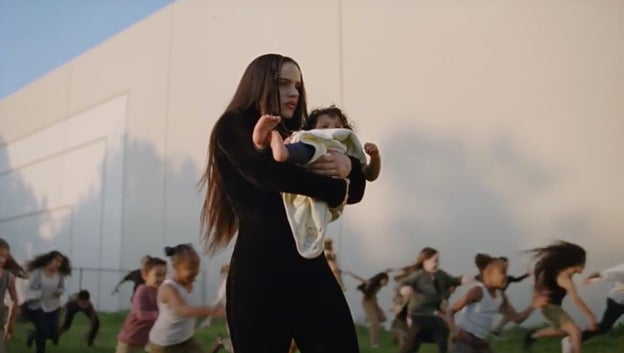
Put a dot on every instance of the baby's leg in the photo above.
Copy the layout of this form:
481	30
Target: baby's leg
280	152
262	131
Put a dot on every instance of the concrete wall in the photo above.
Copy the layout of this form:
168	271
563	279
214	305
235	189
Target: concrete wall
500	123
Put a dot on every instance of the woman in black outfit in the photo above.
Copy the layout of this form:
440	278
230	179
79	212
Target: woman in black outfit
265	310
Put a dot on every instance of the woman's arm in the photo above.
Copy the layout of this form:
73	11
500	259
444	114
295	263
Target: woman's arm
169	295
357	183
233	138
326	166
565	282
455	281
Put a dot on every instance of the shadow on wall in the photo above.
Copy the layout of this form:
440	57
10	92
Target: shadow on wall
19	208
158	194
458	196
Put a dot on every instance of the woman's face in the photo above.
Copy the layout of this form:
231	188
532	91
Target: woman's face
55	264
289	82
383	282
432	264
326	121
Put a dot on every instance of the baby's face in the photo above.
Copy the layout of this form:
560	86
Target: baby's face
327	121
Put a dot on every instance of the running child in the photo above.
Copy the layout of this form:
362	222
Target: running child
480	304
556	265
134	334
175	326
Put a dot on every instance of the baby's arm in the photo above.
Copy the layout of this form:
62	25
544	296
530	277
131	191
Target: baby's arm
373	168
278	148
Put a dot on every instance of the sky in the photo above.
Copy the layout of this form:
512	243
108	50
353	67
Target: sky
37	36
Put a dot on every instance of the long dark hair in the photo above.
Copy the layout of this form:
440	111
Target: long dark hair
257	94
10	264
556	257
425	254
373	284
44	260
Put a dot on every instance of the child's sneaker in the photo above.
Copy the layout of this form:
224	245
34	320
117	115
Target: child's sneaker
566	345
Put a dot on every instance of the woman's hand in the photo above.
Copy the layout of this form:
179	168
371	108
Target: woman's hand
333	164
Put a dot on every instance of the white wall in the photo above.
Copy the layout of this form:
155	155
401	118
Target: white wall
500	123
61	188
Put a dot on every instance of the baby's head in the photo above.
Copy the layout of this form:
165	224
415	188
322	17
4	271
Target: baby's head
185	262
327	118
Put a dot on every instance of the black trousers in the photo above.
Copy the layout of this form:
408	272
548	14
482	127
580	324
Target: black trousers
46	326
71	310
300	300
426	328
612	313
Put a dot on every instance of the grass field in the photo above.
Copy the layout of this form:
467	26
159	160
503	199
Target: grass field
74	342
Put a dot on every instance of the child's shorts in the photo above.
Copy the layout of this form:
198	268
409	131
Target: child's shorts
556	316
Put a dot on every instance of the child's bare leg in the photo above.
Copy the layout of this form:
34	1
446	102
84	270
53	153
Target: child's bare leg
575	335
548	332
280	152
262	131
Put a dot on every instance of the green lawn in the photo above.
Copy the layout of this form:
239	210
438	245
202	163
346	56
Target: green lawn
73	341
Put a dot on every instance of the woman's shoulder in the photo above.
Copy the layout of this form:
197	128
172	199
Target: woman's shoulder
234	119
